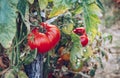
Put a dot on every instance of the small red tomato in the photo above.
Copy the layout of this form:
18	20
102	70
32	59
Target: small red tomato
84	40
79	31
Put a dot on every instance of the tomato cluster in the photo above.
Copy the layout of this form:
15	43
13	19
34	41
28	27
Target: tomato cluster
44	41
83	36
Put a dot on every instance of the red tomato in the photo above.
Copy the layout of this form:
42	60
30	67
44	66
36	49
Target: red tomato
83	36
84	40
52	32
44	41
79	31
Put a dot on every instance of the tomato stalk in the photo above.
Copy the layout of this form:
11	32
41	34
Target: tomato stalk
35	69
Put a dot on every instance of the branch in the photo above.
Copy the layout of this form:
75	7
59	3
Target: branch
53	19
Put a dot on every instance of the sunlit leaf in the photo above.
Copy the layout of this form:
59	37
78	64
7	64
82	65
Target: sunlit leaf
94	9
9	74
78	10
58	10
30	1
88	52
68	29
8	17
50	0
22	74
43	4
91	19
60	7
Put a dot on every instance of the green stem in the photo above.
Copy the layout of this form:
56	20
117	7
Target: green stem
38	11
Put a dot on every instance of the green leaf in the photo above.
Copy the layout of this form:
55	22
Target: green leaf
50	0
91	19
30	1
100	5
76	52
9	74
89	1
88	52
107	36
30	56
68	29
104	54
22	5
43	4
60	7
8	17
92	72
94	9
23	8
22	74
78	10
58	10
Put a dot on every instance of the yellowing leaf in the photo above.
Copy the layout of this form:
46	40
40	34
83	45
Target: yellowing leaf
50	0
22	74
78	10
58	10
30	1
9	74
88	52
68	29
94	9
91	19
43	4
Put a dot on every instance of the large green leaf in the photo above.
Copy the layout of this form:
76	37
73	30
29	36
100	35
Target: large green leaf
91	19
43	4
8	17
76	53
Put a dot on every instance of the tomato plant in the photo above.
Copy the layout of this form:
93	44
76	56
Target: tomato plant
31	28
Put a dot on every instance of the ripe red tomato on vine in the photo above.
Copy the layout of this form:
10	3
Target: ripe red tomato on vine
44	41
83	36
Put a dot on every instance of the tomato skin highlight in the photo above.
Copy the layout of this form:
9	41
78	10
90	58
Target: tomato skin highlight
44	41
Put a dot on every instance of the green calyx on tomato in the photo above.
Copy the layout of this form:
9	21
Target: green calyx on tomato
83	36
44	41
